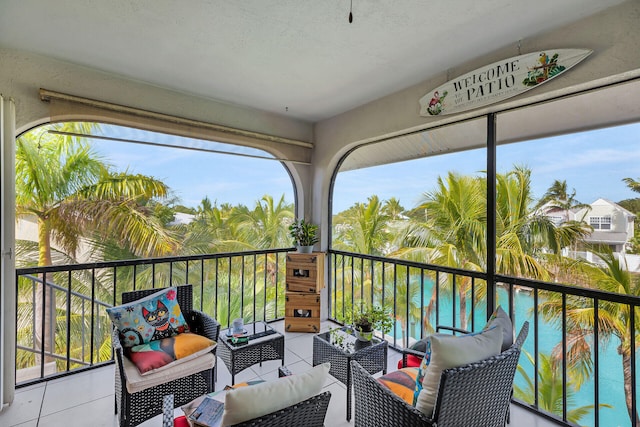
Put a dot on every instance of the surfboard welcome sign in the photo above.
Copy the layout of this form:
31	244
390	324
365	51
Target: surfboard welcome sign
499	81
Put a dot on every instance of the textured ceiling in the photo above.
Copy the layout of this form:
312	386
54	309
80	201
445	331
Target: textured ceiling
300	58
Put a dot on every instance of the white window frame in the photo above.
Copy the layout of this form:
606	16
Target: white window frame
601	222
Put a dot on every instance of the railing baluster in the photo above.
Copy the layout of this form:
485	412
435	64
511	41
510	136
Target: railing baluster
68	321
92	315
473	306
202	285
276	283
407	302
44	329
215	305
632	340
352	289
395	304
229	294
343	300
437	285
422	309
254	288
170	273
453	300
362	280
596	362
536	349
264	299
371	262
242	287
564	356
384	284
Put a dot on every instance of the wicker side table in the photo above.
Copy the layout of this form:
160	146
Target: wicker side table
340	348
265	343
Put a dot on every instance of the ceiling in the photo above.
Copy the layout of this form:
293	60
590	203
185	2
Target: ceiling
300	58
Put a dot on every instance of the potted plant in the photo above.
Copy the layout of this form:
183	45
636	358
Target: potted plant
305	235
371	318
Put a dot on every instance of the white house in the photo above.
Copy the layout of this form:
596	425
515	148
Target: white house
612	224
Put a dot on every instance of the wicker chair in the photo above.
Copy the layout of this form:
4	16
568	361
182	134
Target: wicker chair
475	394
308	413
139	406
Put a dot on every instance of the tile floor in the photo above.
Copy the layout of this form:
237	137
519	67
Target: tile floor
87	399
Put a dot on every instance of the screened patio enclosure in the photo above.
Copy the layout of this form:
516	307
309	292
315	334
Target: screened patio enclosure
379	128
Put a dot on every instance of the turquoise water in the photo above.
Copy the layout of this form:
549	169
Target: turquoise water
610	374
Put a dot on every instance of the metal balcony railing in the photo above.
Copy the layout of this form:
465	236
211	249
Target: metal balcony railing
63	327
568	323
68	316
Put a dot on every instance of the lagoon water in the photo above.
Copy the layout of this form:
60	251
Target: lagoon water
549	335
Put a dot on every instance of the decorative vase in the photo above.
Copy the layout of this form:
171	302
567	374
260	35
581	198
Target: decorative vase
305	249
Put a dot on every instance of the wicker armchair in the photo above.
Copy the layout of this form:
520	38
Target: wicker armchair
308	413
475	394
134	408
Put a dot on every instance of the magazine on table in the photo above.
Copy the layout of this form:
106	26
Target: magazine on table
207	414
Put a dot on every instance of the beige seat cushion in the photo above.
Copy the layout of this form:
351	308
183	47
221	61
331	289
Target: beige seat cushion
178	369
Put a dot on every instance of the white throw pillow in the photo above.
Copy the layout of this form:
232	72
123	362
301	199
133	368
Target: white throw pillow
453	351
246	403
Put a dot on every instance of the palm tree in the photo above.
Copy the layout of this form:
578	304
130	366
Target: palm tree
266	225
524	236
614	318
363	228
632	184
74	196
393	209
559	199
551	386
448	228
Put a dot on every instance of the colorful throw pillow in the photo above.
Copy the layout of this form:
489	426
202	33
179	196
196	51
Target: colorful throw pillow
422	370
445	352
157	354
401	382
148	319
500	317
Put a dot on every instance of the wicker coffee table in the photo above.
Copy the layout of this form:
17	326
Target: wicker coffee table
340	348
265	343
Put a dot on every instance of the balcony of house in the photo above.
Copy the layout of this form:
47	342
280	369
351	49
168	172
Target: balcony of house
70	378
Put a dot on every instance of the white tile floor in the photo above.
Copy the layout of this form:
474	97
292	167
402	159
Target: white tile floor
87	399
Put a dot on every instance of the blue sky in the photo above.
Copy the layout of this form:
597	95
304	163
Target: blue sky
593	163
192	175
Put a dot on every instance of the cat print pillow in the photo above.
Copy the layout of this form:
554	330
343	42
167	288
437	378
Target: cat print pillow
154	317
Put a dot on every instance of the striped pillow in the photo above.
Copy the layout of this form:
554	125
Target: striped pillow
401	382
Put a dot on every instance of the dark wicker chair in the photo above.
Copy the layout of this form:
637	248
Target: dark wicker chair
308	413
134	408
476	394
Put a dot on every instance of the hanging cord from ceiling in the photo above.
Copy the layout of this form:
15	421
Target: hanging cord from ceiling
351	12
